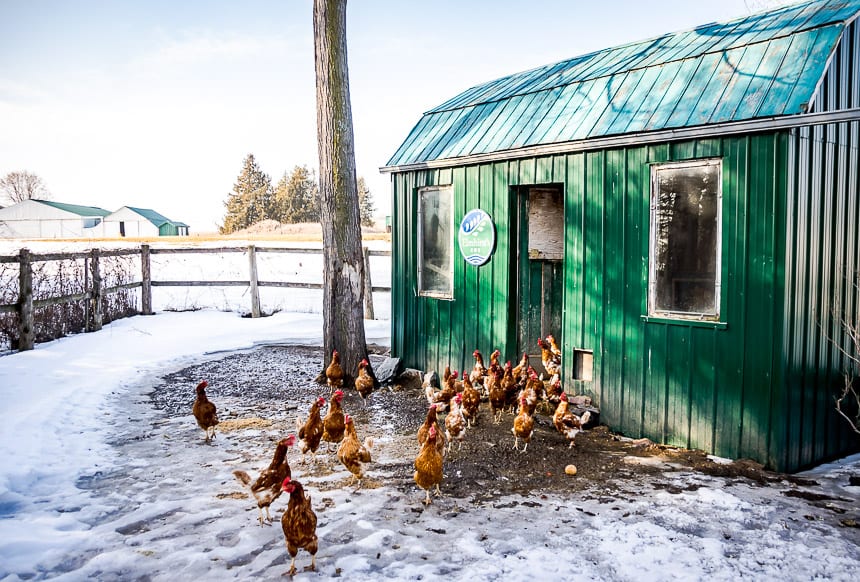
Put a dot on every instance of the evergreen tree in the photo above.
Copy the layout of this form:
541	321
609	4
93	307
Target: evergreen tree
252	200
365	203
297	197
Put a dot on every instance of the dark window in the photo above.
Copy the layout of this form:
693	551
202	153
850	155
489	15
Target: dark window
436	242
684	278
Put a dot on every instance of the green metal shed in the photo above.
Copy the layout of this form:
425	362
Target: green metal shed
680	212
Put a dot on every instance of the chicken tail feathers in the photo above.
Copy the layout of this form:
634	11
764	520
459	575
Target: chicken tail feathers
586	416
243	477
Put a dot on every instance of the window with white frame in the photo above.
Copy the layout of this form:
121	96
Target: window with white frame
684	258
436	242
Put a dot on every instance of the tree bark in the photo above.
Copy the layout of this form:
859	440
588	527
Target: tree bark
343	283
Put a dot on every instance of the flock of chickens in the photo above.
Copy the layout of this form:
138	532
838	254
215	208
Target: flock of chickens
517	389
502	387
335	429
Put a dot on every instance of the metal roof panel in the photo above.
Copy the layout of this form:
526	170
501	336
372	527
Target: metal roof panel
765	64
76	208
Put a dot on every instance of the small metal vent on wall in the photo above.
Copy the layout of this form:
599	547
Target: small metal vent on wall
583	365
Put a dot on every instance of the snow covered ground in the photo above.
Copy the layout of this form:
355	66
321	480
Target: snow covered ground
76	415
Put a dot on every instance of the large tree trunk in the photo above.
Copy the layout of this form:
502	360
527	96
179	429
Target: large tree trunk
343	289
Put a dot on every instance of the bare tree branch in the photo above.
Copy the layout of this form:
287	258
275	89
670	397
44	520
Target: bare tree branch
848	401
20	186
849	392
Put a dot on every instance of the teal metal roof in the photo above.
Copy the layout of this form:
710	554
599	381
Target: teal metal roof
76	208
765	65
151	215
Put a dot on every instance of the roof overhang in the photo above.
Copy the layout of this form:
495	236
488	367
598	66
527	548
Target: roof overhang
642	138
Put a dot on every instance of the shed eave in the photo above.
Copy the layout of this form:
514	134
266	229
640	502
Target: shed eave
640	138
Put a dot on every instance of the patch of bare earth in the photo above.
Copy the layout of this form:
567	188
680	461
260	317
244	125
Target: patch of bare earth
273	386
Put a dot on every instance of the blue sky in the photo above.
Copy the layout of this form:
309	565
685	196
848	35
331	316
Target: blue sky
156	103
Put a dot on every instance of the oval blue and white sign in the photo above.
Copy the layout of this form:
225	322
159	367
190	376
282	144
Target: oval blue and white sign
477	237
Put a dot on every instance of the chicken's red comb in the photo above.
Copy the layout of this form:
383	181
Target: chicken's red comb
203	384
347	418
338	393
563	396
290	440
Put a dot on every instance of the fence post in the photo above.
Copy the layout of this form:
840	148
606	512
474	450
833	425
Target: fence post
146	284
26	331
96	292
255	291
368	286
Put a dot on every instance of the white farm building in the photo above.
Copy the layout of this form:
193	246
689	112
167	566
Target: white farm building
48	219
141	222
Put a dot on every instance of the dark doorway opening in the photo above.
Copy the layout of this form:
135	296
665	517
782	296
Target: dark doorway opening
540	267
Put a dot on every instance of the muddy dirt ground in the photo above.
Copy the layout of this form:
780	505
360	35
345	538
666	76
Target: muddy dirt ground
273	386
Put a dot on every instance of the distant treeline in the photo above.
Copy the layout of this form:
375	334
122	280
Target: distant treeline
293	200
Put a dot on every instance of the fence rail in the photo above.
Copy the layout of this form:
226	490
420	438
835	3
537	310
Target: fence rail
95	292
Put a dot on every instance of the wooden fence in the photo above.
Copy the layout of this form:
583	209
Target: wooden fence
95	292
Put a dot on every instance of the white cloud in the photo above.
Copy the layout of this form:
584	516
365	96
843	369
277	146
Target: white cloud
192	48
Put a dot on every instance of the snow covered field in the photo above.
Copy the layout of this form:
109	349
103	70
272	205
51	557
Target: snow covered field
77	411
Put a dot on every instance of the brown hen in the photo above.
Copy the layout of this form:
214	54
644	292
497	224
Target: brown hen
333	422
267	487
204	411
299	523
364	382
310	433
352	453
428	465
334	373
524	425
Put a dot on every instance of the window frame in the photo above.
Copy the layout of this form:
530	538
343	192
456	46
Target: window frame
684	316
449	295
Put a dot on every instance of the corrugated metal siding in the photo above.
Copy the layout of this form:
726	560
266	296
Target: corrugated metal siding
765	65
727	391
432	333
822	260
675	383
822	268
